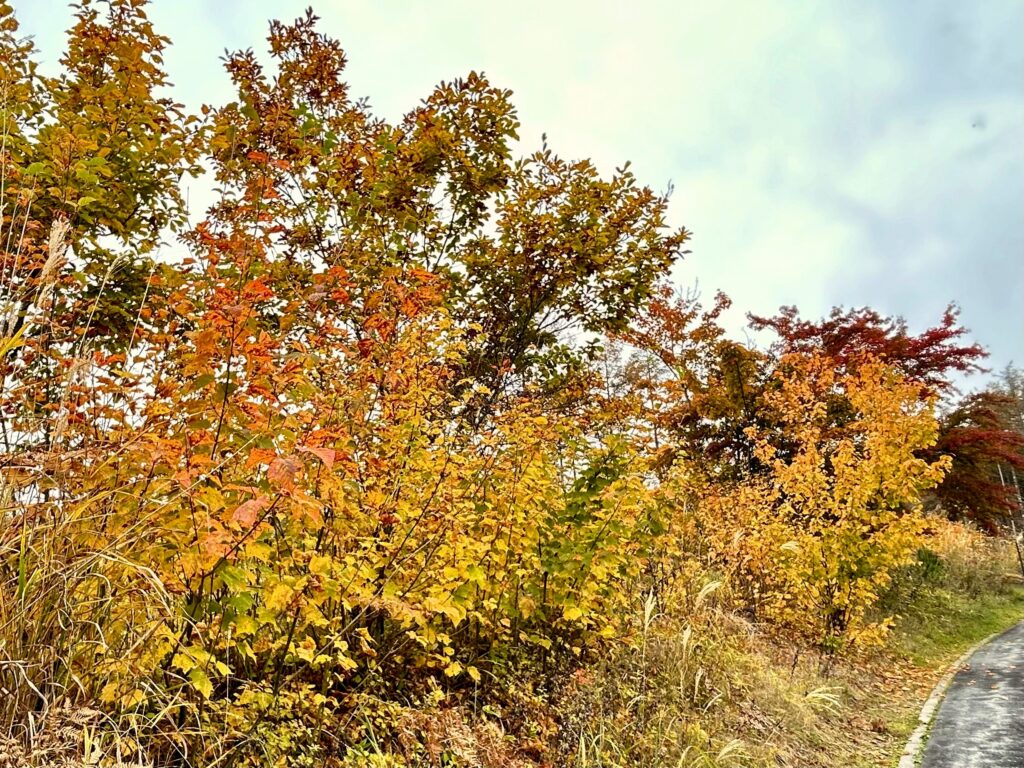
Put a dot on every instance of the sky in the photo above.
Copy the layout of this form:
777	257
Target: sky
825	153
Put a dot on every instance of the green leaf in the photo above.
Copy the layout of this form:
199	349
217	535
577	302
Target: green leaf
83	174
476	574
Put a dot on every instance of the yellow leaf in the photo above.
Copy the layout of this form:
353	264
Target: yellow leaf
201	682
320	565
279	598
572	613
109	692
245	625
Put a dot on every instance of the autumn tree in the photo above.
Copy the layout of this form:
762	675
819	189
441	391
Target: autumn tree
719	386
816	541
92	159
987	456
975	433
850	336
526	248
96	145
334	525
703	390
315	477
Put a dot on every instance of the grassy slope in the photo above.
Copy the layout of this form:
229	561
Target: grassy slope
729	695
881	697
706	689
942	624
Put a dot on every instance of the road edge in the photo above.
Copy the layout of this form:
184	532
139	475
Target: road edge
916	742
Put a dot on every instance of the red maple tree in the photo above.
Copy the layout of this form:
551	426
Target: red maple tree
850	335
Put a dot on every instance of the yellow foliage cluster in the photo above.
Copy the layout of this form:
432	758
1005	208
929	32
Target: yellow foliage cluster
815	542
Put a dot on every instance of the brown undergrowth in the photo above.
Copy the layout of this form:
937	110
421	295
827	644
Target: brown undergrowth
702	686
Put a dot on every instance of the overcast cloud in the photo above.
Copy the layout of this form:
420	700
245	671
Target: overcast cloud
822	153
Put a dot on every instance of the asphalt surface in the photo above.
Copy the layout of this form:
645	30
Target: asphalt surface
980	723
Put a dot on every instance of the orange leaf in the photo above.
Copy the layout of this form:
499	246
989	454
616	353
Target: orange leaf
326	455
247	513
260	456
282	471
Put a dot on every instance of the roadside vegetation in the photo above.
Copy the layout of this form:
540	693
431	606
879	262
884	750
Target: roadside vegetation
412	455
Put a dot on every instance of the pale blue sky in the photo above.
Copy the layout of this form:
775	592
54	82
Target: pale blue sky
822	153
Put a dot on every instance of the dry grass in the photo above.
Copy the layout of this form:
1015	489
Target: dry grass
69	595
706	688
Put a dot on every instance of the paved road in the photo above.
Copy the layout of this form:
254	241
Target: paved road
980	723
